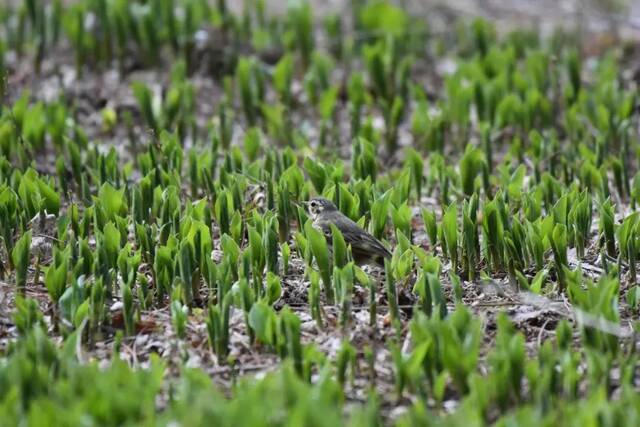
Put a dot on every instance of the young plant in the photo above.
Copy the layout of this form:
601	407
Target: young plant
318	245
628	242
27	315
450	234
314	297
379	215
339	248
96	307
289	330
20	257
145	100
300	22
283	77
580	215
558	241
218	325
492	227
471	165
363	161
392	295
345	359
286	255
607	227
179	313
415	163
429	290
343	279
251	88
507	361
128	310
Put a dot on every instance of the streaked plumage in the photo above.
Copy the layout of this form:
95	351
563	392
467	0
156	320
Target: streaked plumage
365	248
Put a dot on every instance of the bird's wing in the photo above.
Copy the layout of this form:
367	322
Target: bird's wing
369	243
363	242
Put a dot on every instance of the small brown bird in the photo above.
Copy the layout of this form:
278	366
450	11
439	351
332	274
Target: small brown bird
365	248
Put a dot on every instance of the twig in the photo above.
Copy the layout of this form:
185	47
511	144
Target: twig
542	329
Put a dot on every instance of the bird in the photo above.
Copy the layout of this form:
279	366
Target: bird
365	248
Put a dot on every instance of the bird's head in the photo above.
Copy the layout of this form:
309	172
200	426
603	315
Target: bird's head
317	205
